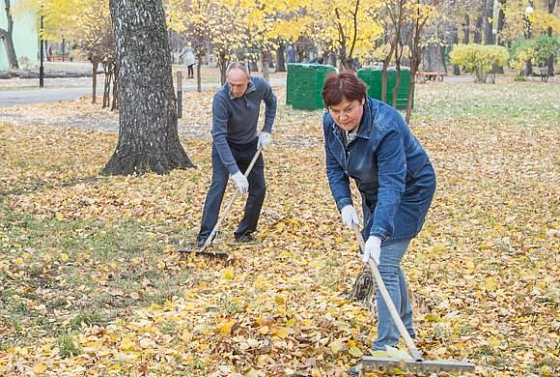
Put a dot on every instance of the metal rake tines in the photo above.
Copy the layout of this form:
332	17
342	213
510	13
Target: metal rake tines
370	363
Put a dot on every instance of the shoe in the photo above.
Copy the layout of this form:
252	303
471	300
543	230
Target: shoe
245	237
200	241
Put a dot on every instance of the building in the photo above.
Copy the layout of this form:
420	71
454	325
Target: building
25	37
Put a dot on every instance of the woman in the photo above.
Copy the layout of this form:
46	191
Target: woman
188	52
369	141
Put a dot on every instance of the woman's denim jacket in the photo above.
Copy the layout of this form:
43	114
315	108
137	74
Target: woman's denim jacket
391	169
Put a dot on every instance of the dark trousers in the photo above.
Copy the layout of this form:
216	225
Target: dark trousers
243	155
190	71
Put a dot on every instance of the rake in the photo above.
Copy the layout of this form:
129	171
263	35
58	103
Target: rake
212	235
418	364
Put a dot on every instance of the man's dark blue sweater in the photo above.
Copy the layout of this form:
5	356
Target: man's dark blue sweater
235	120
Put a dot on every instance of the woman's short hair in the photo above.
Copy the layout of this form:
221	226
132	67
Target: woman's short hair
237	65
344	85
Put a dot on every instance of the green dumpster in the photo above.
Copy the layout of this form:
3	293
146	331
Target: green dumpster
372	76
305	84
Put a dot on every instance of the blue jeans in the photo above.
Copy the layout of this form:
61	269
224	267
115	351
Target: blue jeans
392	253
220	176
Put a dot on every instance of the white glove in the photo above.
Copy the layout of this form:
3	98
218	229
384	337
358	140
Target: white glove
349	216
265	139
241	182
373	250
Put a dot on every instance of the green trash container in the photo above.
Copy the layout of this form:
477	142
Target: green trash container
305	84
372	76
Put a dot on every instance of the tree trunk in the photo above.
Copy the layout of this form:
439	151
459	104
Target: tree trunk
108	70
487	17
477	37
265	65
148	135
223	62
6	36
551	5
95	65
501	21
456	68
115	103
198	74
466	30
433	58
280	59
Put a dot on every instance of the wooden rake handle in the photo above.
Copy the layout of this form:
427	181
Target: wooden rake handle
229	203
388	301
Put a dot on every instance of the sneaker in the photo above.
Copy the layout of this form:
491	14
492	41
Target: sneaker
245	237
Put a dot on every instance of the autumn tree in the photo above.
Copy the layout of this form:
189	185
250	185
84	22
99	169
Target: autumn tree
202	21
6	37
87	22
420	15
348	26
148	135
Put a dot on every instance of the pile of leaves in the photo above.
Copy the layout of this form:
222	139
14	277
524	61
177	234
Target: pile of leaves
91	281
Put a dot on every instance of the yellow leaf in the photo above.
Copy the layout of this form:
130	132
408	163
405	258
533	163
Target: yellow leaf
283	332
225	328
356	352
228	274
64	257
337	346
127	344
493	341
264	330
489	284
39	368
432	317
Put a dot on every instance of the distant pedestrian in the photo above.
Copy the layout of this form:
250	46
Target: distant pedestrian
188	52
290	54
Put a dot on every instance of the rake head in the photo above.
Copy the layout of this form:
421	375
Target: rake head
204	252
370	363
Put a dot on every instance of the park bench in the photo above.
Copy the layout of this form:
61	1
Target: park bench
423	76
59	58
542	73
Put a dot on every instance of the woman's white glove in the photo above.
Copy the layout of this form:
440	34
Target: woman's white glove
241	182
349	216
373	249
265	139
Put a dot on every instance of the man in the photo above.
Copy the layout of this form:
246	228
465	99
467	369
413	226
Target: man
235	115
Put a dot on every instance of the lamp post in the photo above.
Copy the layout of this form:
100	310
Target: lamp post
528	11
42	55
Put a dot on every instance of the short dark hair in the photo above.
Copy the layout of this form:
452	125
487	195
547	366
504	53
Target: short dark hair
344	85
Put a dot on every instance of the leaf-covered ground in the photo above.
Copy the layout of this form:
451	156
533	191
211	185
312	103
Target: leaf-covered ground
91	283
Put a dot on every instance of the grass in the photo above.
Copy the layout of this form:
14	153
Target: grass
87	272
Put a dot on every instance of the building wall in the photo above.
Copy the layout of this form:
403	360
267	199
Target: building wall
25	37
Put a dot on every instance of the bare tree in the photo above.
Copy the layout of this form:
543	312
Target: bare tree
346	51
6	35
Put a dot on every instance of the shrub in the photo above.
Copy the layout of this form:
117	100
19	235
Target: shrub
538	50
479	59
546	47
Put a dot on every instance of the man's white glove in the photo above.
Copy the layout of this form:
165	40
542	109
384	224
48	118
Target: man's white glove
265	139
373	249
241	182
349	216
